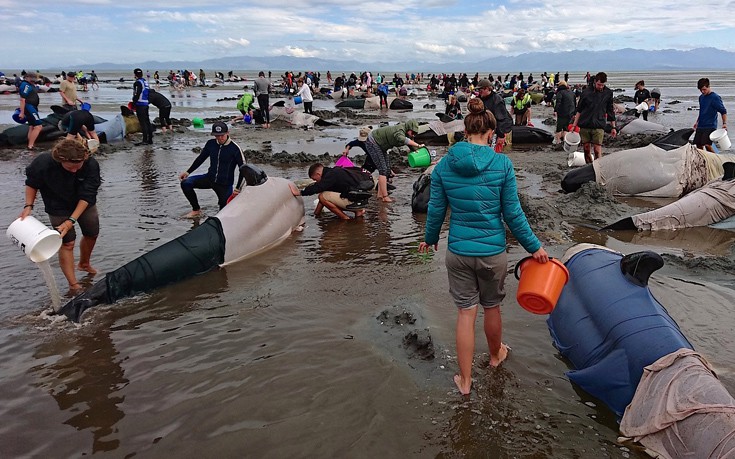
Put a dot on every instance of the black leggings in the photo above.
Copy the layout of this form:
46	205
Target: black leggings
307	107
164	116
141	112
264	108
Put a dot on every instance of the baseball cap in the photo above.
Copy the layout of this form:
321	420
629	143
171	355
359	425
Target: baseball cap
364	133
484	83
219	128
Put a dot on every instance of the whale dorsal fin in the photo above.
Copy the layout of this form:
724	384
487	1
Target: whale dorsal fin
638	267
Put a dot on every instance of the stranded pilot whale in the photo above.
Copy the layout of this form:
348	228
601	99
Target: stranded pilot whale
265	213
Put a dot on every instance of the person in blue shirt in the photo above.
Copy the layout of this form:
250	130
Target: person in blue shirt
29	107
479	186
710	104
225	156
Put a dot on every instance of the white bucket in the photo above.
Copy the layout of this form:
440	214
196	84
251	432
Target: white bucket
571	142
642	107
35	239
576	159
720	139
93	145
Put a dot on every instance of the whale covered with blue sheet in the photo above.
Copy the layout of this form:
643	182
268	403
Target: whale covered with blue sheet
609	325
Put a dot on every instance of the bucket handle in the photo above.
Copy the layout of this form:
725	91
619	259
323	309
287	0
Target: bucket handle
518	265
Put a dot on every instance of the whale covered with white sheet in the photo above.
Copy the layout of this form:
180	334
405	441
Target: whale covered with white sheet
265	213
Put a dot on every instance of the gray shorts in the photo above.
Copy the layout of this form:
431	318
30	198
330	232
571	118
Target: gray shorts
476	280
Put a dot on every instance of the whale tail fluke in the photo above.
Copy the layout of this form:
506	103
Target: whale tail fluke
94	296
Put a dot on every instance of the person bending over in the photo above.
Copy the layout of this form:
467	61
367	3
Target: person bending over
68	179
333	184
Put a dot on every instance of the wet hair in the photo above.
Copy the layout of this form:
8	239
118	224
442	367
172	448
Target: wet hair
601	77
479	120
138	72
702	83
69	150
315	168
640	83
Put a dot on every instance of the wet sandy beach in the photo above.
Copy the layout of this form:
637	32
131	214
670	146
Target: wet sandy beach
338	342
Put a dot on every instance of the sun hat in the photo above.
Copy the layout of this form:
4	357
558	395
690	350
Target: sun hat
364	133
219	128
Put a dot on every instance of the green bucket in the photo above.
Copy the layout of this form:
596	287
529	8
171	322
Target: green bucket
197	122
419	158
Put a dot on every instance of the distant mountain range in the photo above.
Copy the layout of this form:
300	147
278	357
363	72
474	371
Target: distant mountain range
626	59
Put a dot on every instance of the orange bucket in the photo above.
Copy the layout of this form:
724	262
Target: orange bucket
540	284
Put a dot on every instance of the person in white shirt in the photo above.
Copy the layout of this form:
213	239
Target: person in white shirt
305	93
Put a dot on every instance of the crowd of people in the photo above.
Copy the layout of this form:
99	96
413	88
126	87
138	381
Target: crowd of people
474	180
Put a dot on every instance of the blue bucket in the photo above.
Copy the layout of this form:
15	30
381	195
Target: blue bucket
297	100
16	116
86	106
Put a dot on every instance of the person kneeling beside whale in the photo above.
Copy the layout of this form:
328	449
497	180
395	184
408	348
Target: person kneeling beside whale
224	157
339	189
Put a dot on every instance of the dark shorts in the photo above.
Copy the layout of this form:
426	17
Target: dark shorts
701	136
89	222
562	123
476	280
32	116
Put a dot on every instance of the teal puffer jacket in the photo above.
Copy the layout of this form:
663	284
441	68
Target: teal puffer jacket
480	187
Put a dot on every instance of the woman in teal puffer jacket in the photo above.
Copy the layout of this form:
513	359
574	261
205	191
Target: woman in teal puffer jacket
479	186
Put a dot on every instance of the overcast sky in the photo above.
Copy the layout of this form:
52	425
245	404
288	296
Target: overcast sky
51	34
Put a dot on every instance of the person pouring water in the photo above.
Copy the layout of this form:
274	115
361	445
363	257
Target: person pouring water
68	179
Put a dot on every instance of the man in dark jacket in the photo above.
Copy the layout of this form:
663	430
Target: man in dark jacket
333	185
496	105
563	110
225	156
140	102
594	110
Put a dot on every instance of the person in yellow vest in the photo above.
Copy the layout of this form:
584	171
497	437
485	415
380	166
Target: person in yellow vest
521	107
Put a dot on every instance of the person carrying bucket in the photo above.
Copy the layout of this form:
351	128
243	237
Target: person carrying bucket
710	104
68	179
480	187
641	95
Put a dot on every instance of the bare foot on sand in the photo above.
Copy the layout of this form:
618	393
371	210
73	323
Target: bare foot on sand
86	267
496	360
464	387
194	214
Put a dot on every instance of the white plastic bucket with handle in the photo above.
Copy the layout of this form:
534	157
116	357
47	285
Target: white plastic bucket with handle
576	159
720	139
35	239
642	107
571	142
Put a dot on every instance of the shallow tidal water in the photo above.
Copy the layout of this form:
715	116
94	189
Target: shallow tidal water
301	351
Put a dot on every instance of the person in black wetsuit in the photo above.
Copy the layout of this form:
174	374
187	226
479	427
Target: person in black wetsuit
164	109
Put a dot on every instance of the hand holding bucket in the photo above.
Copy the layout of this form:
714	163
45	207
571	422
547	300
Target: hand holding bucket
540	284
35	239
